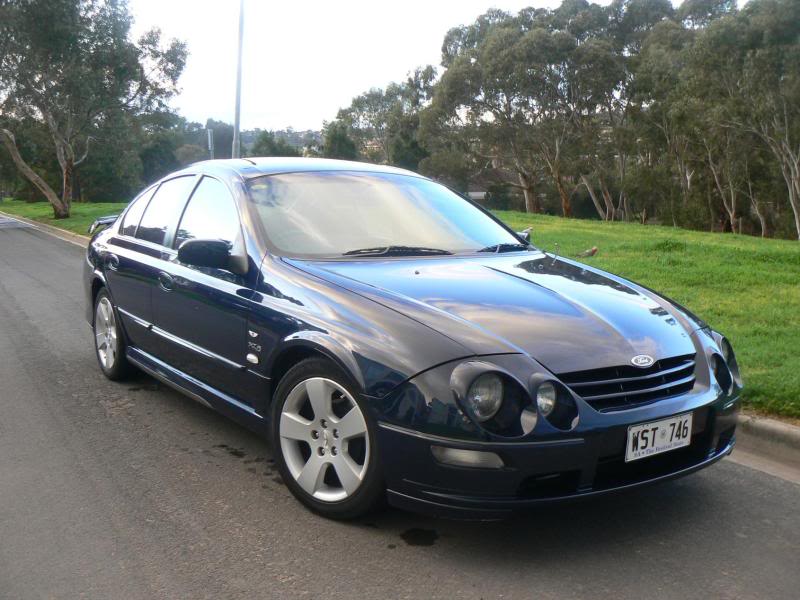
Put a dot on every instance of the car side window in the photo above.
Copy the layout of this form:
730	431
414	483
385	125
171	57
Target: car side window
164	210
210	215
131	220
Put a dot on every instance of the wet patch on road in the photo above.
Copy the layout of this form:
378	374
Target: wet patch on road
419	537
237	452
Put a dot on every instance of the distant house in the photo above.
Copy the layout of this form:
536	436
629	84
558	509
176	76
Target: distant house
477	196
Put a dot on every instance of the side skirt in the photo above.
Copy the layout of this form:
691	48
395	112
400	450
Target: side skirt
197	390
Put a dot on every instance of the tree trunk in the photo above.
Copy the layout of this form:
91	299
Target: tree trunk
566	206
598	207
789	163
791	174
608	200
528	191
59	210
68	172
718	171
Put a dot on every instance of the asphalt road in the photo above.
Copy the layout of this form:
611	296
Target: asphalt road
132	491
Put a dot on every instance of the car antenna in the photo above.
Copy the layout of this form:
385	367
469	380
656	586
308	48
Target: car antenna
555	255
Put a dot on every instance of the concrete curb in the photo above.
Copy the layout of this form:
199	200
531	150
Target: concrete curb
769	437
67	236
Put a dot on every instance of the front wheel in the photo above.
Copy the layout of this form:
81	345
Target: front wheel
109	342
324	441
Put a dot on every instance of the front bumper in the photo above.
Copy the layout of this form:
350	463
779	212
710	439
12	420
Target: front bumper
576	465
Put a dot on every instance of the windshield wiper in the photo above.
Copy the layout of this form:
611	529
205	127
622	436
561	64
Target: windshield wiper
396	251
507	247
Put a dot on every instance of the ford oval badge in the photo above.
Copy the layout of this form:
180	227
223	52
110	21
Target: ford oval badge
642	360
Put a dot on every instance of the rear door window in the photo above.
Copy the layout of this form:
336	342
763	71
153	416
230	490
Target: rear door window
162	214
210	215
134	213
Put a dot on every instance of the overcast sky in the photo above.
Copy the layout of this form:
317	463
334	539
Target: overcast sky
303	60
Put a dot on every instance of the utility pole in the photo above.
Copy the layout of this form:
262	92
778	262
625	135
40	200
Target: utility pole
236	151
210	143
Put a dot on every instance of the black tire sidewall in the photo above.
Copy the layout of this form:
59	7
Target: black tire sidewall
120	368
371	493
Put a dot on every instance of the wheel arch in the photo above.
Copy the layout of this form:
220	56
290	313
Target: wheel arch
98	283
310	344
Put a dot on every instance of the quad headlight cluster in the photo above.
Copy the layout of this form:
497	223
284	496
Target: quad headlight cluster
503	405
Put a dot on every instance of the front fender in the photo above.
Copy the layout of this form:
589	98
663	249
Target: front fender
324	344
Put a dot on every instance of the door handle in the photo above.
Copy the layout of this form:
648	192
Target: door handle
165	280
112	262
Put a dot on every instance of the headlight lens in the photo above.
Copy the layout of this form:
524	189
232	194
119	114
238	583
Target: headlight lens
730	359
546	397
485	396
722	373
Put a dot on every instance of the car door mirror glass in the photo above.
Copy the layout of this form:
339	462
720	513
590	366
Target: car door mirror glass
214	254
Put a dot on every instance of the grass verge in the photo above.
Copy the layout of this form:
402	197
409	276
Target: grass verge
745	287
82	214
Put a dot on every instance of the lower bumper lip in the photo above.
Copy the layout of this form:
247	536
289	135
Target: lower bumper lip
539	471
471	508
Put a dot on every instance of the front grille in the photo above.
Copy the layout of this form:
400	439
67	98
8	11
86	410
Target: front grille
619	388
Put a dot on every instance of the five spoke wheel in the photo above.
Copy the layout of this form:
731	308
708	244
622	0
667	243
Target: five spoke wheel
324	440
105	333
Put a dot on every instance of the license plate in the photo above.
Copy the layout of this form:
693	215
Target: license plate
648	439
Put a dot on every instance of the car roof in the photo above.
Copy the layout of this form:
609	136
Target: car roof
250	167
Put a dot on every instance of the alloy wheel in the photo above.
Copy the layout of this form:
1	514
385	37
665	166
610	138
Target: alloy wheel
105	333
323	438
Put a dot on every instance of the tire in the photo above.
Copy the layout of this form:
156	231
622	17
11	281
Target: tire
109	340
327	457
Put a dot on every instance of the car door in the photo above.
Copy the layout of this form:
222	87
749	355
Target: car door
129	277
201	313
136	254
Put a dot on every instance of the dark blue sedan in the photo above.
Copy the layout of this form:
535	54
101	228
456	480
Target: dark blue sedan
396	341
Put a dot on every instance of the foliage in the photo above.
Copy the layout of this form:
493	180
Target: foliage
632	111
70	65
384	123
337	141
267	144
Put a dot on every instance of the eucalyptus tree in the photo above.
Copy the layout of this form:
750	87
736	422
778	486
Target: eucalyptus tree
70	64
744	70
384	122
337	141
769	86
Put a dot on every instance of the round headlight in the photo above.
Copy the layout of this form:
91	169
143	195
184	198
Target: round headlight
727	350
546	397
730	359
722	373
485	396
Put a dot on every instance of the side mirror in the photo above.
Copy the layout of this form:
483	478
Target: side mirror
525	234
214	254
102	222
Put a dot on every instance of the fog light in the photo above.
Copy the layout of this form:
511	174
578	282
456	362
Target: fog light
546	397
459	457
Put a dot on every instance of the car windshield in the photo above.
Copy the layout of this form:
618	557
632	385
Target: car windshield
336	213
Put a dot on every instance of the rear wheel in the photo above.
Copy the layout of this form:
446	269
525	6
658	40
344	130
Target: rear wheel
109	343
324	441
